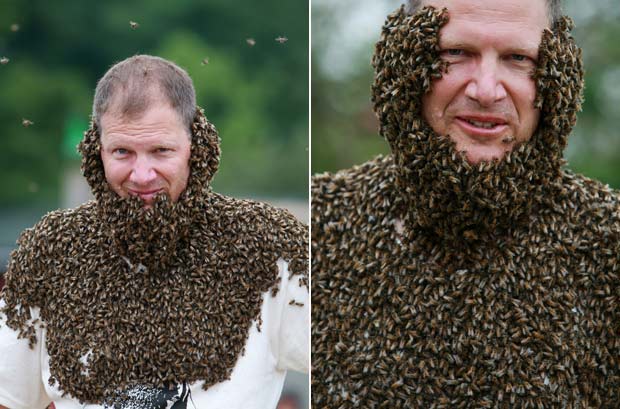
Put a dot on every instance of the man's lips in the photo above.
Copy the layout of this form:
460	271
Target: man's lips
484	126
144	194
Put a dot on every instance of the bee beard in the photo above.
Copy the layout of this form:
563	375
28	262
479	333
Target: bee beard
463	205
146	237
456	203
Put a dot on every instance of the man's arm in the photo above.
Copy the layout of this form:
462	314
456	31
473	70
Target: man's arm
21	384
294	328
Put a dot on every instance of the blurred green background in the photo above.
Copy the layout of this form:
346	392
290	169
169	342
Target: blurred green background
345	130
257	96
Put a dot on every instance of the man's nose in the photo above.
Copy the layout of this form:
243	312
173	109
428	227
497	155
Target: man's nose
143	172
486	85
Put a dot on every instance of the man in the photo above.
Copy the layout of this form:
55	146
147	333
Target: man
468	268
159	292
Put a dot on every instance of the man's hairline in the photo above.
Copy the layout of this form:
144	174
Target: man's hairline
419	4
162	99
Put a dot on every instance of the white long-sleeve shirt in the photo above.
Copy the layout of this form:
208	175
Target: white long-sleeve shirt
256	380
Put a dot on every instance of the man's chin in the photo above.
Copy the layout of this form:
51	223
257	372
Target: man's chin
148	199
477	154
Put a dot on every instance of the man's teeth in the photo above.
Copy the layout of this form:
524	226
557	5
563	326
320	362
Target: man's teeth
487	125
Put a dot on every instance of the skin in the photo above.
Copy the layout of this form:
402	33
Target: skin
492	49
146	155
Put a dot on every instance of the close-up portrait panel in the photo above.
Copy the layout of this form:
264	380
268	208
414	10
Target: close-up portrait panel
465	212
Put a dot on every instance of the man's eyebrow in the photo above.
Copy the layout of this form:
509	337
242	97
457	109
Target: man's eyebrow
516	49
451	44
531	51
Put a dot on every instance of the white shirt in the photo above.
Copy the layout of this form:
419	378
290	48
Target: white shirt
256	380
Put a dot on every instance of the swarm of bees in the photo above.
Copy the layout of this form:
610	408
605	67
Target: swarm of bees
437	283
153	296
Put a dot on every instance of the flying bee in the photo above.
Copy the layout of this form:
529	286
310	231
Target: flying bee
251	42
281	39
14	27
26	123
205	61
4	61
133	25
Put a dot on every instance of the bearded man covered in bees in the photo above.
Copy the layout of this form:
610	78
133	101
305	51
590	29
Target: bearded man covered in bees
468	268
158	292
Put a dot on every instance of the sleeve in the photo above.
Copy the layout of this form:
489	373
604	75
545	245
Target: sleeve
21	384
294	326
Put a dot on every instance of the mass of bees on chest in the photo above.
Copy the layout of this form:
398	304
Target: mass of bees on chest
160	304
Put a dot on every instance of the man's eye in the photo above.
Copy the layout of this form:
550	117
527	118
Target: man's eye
454	51
162	150
120	151
518	57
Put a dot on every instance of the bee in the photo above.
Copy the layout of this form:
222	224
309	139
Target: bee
14	27
4	61
27	122
133	25
250	41
33	187
205	61
281	39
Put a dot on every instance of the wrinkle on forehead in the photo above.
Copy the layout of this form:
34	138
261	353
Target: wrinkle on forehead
157	122
131	129
507	25
500	11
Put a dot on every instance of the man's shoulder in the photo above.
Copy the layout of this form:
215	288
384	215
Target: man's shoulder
588	203
259	228
351	179
369	184
249	214
62	223
588	192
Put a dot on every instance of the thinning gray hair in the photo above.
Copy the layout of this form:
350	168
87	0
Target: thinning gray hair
133	85
554	8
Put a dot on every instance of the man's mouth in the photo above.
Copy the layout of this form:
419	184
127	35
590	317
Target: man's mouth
146	195
482	126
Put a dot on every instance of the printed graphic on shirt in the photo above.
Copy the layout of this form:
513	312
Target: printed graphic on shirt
148	397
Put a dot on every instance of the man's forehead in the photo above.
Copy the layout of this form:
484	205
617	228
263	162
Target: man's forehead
158	121
535	11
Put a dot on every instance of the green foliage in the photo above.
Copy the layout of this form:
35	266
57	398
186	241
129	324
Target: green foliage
31	156
256	96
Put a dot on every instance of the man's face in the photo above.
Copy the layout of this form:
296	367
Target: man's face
145	156
486	100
